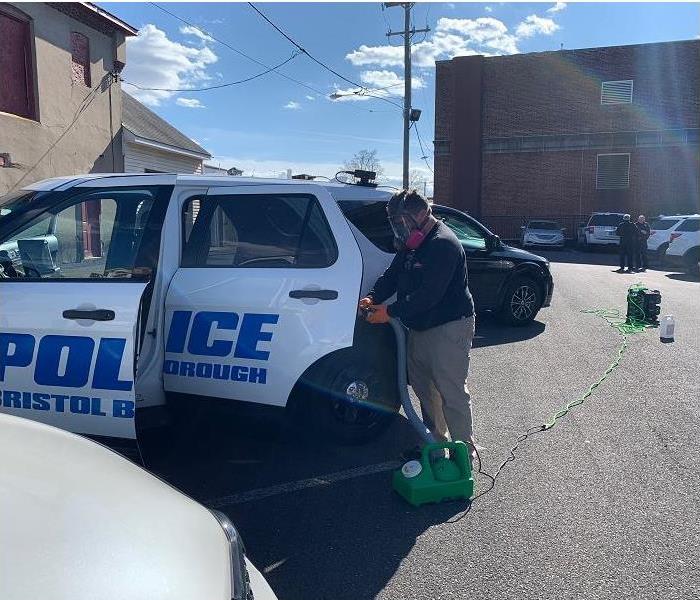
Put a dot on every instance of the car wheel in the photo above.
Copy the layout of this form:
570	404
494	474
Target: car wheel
521	302
351	400
692	261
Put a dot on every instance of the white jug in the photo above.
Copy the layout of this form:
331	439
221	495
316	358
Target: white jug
667	328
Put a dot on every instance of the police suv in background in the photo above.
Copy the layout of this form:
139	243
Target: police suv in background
684	249
600	230
662	233
80	522
126	292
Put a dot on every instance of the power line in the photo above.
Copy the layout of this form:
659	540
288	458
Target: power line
246	56
213	87
316	60
237	51
302	49
420	143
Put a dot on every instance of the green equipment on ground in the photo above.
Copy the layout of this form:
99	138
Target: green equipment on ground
643	305
435	477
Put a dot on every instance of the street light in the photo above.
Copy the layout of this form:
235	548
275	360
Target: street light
337	96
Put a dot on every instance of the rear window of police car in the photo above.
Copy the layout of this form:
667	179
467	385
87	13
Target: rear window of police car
689	225
662	224
257	231
605	220
369	216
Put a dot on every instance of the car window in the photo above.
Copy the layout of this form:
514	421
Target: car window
257	231
662	224
605	220
543	225
689	225
466	233
94	235
14	201
370	218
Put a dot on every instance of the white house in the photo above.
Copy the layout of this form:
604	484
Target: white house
152	145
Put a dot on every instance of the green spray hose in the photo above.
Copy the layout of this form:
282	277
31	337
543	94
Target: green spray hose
625	327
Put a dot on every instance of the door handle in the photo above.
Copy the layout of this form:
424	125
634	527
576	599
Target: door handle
315	294
99	314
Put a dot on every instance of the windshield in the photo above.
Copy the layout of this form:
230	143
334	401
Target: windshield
661	224
543	225
606	220
14	201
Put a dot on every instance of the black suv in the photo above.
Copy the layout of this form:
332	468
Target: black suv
508	281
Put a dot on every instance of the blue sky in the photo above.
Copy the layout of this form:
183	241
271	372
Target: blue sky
270	124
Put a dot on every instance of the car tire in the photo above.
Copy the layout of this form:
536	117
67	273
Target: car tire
522	301
661	252
351	400
692	261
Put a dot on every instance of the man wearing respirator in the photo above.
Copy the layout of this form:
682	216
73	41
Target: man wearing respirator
429	277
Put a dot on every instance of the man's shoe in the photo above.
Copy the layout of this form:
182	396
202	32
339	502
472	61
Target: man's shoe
476	459
643	270
620	270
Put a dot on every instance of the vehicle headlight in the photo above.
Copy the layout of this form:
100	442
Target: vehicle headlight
240	581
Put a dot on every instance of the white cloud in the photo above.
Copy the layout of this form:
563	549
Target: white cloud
484	33
189	103
292	105
384	56
534	25
488	9
457	37
155	61
452	37
310	98
558	7
189	30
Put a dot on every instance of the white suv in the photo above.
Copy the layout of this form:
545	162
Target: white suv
163	290
662	229
600	230
684	249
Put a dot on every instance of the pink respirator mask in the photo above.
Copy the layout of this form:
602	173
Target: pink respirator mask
408	231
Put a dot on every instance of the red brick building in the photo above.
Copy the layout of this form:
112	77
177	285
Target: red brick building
562	134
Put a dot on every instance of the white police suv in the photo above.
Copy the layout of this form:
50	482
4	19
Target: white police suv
122	293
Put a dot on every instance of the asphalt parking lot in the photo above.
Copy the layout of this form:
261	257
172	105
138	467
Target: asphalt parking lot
604	505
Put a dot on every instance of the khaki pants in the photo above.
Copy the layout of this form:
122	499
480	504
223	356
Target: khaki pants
438	365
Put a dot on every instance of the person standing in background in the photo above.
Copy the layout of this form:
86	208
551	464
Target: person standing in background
644	232
628	233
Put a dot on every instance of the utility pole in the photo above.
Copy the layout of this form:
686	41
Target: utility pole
407	34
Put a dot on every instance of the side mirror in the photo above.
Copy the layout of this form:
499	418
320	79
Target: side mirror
493	242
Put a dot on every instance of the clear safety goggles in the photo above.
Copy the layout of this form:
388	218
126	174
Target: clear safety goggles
402	226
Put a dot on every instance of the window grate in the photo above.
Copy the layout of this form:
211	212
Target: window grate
616	92
612	172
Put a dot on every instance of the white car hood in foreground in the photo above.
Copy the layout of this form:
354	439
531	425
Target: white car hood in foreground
79	522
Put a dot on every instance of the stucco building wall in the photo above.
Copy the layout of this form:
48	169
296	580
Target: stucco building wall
89	144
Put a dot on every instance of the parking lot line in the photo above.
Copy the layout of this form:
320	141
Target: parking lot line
302	484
